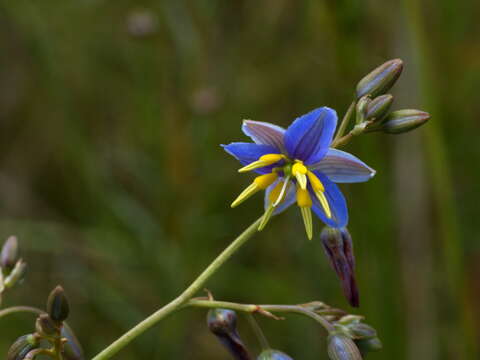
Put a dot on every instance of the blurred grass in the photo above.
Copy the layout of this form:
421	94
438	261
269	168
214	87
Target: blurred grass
111	175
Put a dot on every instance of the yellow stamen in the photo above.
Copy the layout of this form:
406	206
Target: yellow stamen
307	221
299	170
264	160
305	203
319	191
282	193
259	183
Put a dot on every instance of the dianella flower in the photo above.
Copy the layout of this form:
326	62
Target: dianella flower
297	165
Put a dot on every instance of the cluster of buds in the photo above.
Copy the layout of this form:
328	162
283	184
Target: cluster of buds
352	339
52	336
223	324
12	269
373	103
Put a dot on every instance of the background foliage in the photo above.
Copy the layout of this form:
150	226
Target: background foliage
111	114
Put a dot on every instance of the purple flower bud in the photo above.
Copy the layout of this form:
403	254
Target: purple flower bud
57	305
9	254
379	107
46	327
273	355
381	79
401	121
223	323
368	345
22	346
72	350
338	246
341	347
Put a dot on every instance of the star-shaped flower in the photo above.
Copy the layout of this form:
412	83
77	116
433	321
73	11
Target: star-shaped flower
298	165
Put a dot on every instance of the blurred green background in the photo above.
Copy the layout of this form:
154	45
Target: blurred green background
111	174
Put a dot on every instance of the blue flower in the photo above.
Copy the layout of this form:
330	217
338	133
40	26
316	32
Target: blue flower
298	165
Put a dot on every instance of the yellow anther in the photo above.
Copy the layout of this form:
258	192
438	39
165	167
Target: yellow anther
319	191
259	183
299	170
303	198
307	221
264	160
283	192
315	181
264	181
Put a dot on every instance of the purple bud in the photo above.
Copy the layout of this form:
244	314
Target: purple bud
341	347
57	305
381	79
46	327
9	254
401	121
223	323
368	345
22	346
338	247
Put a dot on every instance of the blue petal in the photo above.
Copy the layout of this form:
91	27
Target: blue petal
247	153
290	197
342	167
309	136
338	205
264	133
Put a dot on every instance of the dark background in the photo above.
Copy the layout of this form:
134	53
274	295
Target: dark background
111	174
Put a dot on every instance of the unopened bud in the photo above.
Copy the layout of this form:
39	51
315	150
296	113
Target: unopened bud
338	247
72	350
368	345
361	331
9	254
57	305
21	347
46	326
223	323
16	275
401	121
361	109
271	354
380	80
378	108
341	347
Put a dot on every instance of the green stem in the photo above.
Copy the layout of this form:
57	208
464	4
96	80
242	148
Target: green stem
18	309
262	309
345	121
177	303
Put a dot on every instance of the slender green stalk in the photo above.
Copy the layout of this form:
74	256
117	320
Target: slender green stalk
18	309
345	121
262	309
177	303
262	339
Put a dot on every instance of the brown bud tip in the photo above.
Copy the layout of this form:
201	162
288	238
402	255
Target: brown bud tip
401	121
57	305
380	80
21	347
341	347
9	254
271	354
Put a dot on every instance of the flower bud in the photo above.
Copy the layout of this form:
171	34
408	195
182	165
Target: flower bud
16	275
380	80
378	108
361	109
401	121
361	331
271	354
338	247
21	347
341	347
72	350
46	326
9	254
223	323
368	345
57	305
